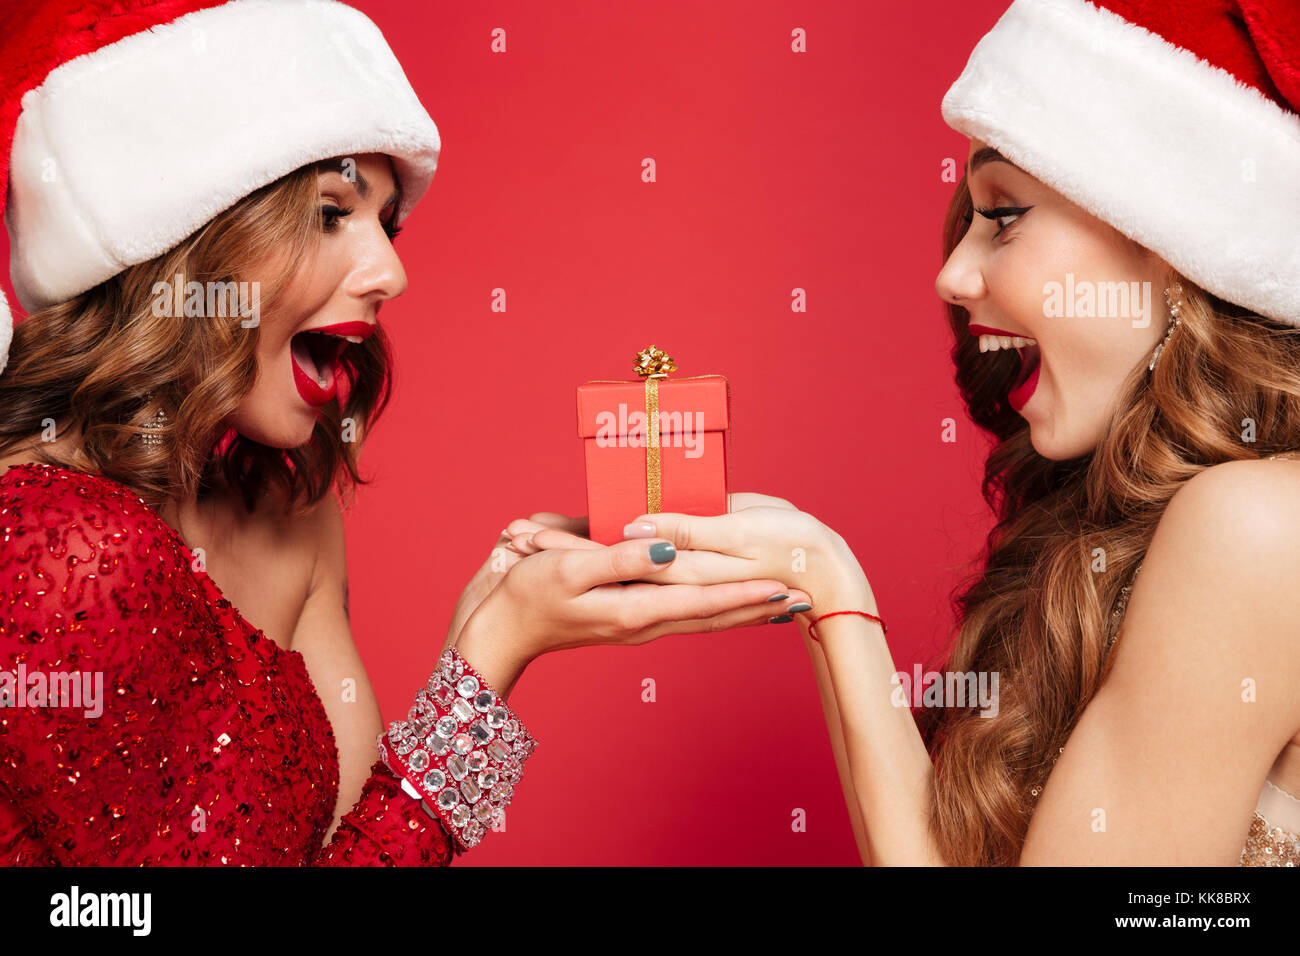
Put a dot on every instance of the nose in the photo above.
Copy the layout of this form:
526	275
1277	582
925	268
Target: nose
377	271
960	281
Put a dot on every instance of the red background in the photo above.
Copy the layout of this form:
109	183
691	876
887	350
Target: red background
775	170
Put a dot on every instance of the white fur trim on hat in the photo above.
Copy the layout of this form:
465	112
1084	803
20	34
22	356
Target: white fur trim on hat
1173	152
122	153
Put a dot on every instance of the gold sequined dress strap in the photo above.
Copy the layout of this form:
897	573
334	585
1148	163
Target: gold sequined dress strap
1121	605
1274	835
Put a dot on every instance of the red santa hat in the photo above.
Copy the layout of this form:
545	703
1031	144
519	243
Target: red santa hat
1175	121
125	125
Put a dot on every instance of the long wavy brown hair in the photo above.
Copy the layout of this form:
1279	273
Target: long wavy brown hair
104	363
1067	537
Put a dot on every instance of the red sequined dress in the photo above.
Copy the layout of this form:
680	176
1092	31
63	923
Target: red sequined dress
211	746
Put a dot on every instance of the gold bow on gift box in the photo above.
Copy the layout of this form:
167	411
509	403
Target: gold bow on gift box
653	364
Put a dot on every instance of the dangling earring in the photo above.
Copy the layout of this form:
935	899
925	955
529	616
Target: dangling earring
1174	302
159	421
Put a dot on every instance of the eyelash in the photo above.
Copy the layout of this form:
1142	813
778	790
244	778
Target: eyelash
998	213
332	214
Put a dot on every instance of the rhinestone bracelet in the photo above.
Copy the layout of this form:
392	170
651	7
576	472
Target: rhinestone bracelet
461	750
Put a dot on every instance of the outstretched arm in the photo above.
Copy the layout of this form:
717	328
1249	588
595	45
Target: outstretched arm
835	730
885	769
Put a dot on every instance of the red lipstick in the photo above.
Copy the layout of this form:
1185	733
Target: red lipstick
312	392
989	330
1020	394
363	329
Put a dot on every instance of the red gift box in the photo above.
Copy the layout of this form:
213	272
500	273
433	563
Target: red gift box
633	470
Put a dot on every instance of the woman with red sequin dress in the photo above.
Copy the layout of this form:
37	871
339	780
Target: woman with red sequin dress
201	358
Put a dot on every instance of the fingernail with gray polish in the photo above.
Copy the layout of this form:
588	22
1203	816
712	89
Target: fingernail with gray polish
662	552
780	619
777	597
798	608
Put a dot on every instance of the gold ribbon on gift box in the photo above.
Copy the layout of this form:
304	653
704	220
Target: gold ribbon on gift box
653	364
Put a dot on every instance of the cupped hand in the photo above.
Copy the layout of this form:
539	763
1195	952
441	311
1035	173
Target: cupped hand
761	536
563	531
503	557
589	594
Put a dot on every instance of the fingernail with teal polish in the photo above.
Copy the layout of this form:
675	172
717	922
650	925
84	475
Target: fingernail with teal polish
798	608
777	597
780	619
662	552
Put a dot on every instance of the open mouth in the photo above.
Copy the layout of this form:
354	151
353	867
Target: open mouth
1030	356
317	354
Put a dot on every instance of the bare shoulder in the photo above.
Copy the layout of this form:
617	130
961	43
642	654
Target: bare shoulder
1245	512
1218	588
1200	697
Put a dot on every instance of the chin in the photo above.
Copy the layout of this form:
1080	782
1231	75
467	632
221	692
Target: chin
278	433
278	439
1057	449
1049	452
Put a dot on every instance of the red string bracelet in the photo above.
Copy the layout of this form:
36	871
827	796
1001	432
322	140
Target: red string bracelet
870	617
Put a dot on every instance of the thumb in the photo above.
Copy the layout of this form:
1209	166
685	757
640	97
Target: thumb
690	532
625	561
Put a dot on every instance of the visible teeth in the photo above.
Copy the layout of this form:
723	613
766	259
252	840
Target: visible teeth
354	339
991	343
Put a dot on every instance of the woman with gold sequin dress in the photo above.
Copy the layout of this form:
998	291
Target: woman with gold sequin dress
1122	278
201	357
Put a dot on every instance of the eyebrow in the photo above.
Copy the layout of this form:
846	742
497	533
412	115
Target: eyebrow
362	184
987	155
